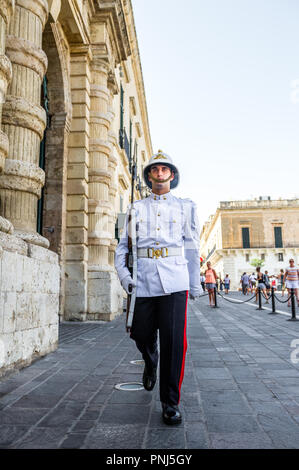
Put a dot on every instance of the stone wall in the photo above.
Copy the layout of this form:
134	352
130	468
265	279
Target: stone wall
29	301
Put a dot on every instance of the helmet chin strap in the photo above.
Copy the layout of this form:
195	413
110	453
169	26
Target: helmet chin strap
159	181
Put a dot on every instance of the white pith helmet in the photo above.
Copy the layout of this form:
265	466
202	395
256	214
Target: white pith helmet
162	159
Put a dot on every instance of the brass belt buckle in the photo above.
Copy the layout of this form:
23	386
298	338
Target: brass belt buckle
156	253
164	252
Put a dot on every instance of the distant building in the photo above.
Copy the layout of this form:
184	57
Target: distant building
240	231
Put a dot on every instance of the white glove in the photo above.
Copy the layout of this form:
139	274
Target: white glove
194	294
125	283
193	297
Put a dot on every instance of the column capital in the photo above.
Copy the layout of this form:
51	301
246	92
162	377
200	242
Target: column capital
99	63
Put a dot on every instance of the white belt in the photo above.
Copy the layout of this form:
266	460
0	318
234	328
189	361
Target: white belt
157	252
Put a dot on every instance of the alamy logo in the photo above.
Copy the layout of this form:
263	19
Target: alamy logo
294	354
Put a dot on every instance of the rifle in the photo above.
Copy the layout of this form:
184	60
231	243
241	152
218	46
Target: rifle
131	258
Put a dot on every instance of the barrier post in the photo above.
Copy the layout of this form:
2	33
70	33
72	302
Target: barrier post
215	299
293	306
273	301
260	299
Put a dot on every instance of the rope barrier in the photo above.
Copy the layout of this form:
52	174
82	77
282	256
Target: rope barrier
270	295
236	301
260	293
283	301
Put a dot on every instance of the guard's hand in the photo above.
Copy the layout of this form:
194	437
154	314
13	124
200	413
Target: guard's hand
195	293
126	282
193	297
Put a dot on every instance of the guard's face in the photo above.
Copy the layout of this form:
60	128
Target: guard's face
160	175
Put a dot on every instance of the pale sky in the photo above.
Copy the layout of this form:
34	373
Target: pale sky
222	86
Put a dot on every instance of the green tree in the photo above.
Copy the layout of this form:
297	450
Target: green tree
257	262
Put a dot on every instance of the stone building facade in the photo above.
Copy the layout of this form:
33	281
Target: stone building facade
242	230
73	122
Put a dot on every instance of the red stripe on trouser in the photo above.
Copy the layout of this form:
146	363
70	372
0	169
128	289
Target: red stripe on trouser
185	349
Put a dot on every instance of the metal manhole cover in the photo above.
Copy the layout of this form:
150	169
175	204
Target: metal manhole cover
139	362
129	386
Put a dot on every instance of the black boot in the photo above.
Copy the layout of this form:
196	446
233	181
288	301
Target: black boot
171	414
149	378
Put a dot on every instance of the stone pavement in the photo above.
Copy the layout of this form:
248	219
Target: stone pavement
240	391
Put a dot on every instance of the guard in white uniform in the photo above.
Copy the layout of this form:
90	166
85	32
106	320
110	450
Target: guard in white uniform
168	267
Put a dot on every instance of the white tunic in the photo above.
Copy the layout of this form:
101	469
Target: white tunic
164	222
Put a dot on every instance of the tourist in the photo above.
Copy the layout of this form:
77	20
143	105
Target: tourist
267	282
291	279
211	278
226	284
245	283
280	277
260	277
252	282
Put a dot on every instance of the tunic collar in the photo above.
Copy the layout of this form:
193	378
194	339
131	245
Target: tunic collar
162	197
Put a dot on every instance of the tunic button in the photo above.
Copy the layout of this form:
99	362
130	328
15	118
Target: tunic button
158	214
158	229
164	198
157	243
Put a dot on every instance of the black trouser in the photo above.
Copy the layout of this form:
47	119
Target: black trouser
203	285
168	314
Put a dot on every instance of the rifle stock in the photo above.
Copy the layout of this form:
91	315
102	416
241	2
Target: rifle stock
129	297
130	266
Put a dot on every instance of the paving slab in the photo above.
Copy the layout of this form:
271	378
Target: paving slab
240	388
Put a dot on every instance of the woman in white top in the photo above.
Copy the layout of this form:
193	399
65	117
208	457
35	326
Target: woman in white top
291	279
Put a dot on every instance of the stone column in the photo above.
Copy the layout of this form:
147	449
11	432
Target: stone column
112	164
99	236
103	300
24	120
77	187
6	11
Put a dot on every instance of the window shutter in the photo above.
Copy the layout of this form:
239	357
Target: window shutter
278	237
245	237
